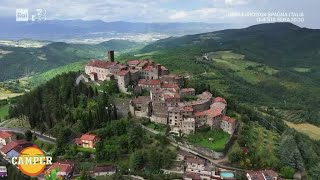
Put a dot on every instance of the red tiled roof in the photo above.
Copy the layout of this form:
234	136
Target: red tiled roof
228	119
5	149
171	96
210	113
100	63
169	85
88	137
13	144
149	82
62	166
123	73
4	134
219	99
148	68
195	160
134	62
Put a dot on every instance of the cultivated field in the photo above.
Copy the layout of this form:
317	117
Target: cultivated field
306	128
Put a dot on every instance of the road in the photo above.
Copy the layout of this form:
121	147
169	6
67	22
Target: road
43	137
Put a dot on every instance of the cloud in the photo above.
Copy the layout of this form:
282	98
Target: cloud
237	2
178	15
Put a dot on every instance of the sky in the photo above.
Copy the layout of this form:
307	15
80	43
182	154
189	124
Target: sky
302	12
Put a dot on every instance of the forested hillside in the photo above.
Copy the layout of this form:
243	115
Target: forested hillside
275	67
60	103
17	62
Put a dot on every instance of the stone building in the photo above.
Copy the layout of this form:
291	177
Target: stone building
187	92
228	124
159	113
140	106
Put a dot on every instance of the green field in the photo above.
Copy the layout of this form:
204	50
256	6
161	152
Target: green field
47	147
4	110
212	139
158	127
250	71
43	77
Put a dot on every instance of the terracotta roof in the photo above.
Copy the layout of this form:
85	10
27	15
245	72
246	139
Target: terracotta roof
171	96
5	149
195	160
62	166
210	113
11	145
134	62
149	82
148	68
228	119
169	85
101	64
106	168
219	99
123	72
4	134
88	137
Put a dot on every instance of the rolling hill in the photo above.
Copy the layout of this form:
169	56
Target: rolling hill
17	62
272	67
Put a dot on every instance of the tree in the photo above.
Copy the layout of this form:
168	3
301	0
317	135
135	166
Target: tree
289	153
137	160
28	135
287	172
236	154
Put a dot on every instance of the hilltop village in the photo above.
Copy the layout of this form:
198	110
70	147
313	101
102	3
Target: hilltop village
167	102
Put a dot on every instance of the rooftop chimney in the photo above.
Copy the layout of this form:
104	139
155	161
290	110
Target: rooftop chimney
111	55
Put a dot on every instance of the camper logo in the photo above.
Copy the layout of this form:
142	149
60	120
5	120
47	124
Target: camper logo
32	161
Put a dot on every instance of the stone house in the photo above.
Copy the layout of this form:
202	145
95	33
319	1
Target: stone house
141	106
187	92
228	124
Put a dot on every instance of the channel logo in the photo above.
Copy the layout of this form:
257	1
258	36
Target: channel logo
22	14
32	161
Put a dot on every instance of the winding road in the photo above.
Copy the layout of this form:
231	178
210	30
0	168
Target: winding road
43	137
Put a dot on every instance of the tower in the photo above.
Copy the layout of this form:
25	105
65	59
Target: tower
111	55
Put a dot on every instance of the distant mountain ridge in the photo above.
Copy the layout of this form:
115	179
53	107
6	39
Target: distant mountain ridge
74	29
17	62
276	44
